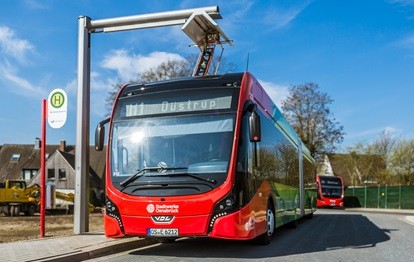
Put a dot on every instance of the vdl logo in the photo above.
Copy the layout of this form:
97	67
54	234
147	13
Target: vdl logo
57	99
162	219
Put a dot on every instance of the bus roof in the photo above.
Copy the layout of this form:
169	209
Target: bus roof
233	79
270	108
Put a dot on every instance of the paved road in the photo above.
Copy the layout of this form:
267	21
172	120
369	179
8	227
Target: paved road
332	235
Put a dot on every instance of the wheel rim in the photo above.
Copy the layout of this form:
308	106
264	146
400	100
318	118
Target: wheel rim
270	222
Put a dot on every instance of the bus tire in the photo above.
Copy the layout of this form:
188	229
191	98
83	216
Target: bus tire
265	238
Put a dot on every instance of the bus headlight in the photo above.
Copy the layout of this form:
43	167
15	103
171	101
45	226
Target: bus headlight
112	210
223	208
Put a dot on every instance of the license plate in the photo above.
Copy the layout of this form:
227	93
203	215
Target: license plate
163	232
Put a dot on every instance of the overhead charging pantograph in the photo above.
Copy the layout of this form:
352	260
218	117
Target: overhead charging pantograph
206	34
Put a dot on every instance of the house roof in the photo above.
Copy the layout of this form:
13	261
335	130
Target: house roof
24	157
355	168
96	160
70	158
95	178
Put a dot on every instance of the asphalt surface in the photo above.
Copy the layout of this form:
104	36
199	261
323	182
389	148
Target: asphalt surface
94	245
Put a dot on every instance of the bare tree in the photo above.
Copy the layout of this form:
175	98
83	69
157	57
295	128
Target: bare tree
170	69
402	162
386	161
218	65
109	101
306	108
382	146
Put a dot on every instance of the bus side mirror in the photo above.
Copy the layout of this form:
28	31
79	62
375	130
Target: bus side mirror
100	134
254	127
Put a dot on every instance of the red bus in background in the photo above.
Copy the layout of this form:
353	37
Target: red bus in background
330	191
204	156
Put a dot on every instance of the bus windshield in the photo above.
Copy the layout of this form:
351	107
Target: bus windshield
199	143
331	187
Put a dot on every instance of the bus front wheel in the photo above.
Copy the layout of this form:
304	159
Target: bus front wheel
265	238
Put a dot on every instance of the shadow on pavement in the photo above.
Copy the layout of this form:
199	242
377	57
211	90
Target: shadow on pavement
322	233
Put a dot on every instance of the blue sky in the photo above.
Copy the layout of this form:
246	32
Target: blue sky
359	52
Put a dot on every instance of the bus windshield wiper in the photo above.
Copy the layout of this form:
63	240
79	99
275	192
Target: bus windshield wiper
138	174
141	172
207	179
213	181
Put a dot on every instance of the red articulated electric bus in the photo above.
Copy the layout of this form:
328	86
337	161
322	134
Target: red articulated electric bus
330	191
208	156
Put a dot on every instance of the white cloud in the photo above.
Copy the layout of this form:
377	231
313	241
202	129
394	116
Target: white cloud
373	133
99	83
34	4
277	19
277	93
407	42
12	46
239	9
17	84
402	2
128	66
71	87
367	136
14	53
99	90
280	17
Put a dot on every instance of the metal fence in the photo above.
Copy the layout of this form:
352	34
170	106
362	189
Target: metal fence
392	197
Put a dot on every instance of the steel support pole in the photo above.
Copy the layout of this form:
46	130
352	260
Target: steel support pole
378	196
81	214
399	197
365	197
301	180
85	27
151	20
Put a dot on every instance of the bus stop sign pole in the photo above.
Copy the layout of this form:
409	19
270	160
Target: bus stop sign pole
43	170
